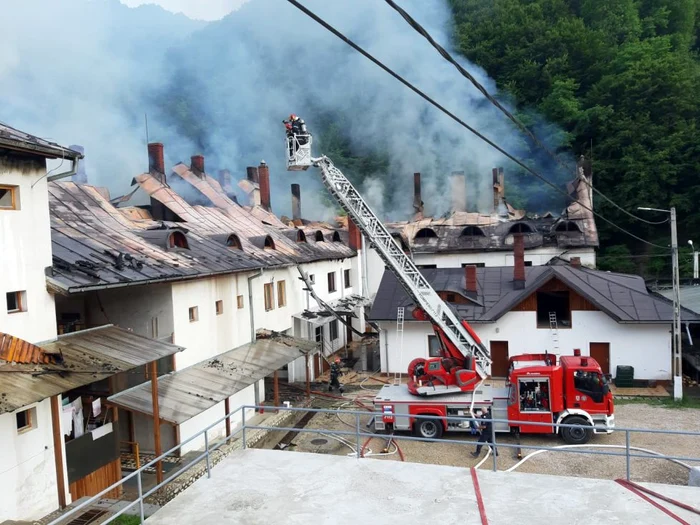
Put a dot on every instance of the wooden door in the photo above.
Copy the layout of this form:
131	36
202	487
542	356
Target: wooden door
499	357
601	353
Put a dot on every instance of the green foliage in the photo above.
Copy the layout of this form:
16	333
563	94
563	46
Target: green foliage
126	519
620	76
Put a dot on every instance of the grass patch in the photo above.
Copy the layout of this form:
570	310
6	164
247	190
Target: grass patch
125	519
668	402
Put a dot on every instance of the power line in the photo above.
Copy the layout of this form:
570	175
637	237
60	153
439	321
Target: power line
454	117
447	56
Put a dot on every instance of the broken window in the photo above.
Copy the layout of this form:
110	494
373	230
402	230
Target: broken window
8	198
194	314
178	240
234	242
346	278
472	231
26	420
239	300
553	306
318	236
434	349
331	282
567	226
520	227
334	329
269	243
16	302
219	307
269	297
281	294
301	236
451	298
426	233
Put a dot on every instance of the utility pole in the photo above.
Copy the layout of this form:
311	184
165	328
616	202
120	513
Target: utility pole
677	357
676	349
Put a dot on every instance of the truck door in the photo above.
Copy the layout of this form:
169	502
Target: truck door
590	390
531	403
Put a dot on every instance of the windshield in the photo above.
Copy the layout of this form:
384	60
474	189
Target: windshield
586	381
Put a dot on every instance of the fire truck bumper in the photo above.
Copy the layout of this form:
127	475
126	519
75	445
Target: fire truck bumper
603	424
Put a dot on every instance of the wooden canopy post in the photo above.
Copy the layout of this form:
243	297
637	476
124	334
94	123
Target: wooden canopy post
58	449
227	409
153	367
276	388
308	379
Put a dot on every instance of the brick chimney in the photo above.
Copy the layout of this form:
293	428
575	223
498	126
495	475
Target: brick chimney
264	180
197	165
355	240
81	176
575	262
499	188
458	191
417	198
296	205
519	261
470	278
156	162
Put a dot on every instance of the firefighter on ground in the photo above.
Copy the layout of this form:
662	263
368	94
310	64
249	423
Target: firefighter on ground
335	374
486	434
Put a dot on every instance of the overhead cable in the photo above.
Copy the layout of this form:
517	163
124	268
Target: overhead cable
447	56
454	117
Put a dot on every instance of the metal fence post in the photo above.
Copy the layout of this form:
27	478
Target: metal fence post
627	450
243	427
206	449
493	446
139	485
357	434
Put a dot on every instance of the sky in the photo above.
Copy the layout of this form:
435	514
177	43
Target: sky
195	9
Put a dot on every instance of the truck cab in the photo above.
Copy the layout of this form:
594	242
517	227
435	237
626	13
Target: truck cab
573	392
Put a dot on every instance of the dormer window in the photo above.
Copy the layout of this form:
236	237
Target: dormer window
234	242
269	243
178	240
426	233
472	231
567	226
520	227
318	236
301	236
336	237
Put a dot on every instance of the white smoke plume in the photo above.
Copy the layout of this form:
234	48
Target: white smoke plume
86	71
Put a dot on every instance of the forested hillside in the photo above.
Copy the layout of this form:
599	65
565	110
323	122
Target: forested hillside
621	77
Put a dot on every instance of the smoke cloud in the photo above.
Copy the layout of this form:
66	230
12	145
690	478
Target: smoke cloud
85	72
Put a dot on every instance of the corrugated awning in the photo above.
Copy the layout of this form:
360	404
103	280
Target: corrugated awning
189	392
77	359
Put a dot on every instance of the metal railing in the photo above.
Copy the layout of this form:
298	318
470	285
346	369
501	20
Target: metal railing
358	434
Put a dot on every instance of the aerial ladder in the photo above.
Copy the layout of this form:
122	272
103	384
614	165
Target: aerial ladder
465	361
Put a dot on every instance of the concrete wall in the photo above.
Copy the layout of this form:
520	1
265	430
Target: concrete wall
645	347
25	235
27	468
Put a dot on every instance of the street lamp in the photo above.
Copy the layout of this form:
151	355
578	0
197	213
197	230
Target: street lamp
696	268
677	362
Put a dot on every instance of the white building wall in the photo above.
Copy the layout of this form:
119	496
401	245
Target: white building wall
25	235
27	468
645	347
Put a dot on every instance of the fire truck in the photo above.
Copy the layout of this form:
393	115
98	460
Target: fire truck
541	391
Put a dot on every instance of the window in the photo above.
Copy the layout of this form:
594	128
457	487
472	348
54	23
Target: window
477	264
319	334
346	278
521	227
334	329
281	294
269	297
219	307
9	198
451	298
425	233
233	241
194	314
312	278
528	263
534	394
426	266
472	231
239	301
26	420
434	349
178	240
331	281
553	305
16	302
591	383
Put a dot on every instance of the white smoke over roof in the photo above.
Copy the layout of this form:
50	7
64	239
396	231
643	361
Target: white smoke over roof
85	72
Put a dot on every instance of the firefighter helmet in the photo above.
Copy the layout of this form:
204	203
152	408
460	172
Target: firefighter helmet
337	359
292	117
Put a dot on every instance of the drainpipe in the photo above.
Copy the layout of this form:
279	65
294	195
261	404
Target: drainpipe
250	305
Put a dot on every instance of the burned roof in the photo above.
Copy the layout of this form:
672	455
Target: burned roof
623	297
16	140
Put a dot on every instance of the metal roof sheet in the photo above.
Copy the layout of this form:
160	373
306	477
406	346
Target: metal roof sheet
83	358
17	140
189	392
623	297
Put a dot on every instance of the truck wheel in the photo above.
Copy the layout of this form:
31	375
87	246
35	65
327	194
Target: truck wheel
428	428
577	436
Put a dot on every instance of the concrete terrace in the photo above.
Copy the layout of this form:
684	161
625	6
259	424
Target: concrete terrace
266	487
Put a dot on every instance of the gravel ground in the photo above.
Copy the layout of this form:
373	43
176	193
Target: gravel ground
565	464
